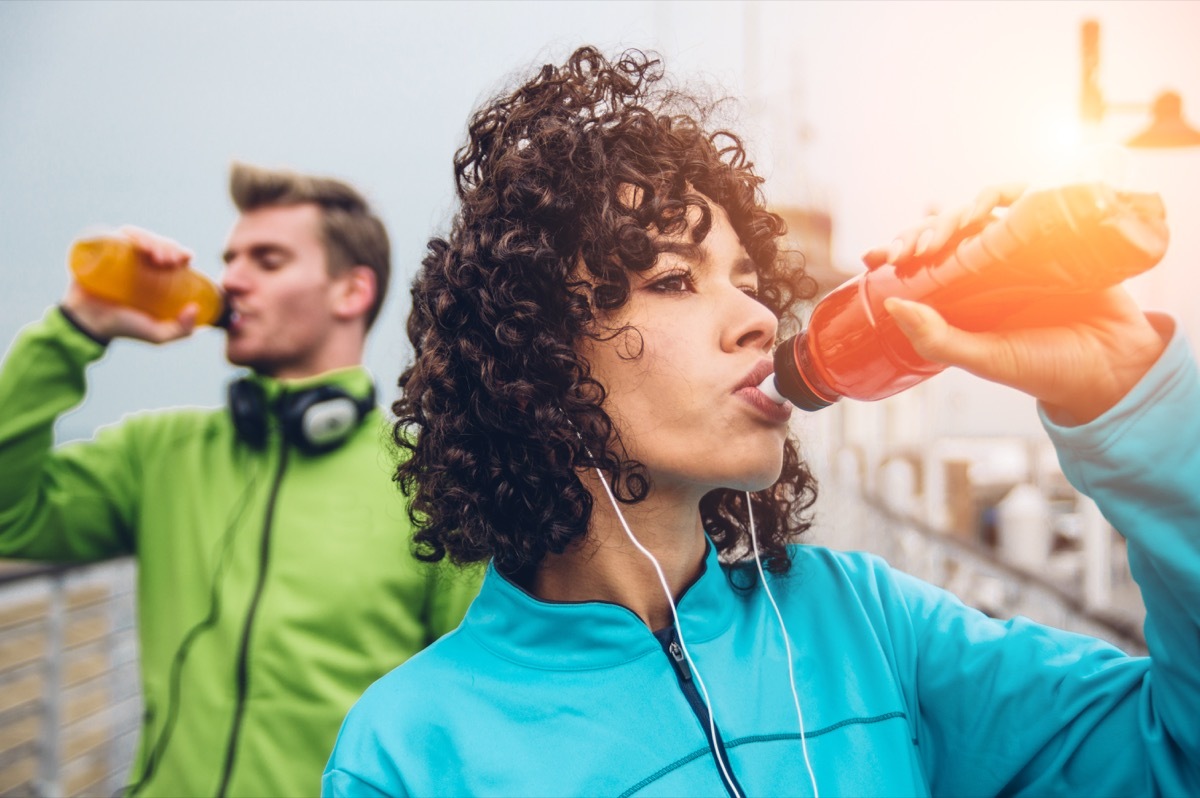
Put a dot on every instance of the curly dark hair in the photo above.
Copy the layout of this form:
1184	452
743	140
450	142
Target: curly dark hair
566	185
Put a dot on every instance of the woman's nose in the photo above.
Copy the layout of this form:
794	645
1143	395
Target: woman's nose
751	324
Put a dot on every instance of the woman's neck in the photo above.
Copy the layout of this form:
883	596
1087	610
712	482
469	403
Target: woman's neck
607	566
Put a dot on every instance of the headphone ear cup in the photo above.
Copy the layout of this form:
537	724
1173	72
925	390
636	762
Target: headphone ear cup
320	419
248	410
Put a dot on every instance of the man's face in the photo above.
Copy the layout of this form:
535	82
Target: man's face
278	285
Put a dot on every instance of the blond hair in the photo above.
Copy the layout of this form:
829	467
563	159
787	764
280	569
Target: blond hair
351	232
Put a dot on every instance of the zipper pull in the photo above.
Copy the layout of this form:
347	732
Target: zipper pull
676	652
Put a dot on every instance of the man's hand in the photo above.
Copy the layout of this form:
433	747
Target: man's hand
1078	355
105	320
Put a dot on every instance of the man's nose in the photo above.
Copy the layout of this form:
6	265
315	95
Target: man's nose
234	278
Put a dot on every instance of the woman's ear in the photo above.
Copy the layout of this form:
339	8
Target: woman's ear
356	292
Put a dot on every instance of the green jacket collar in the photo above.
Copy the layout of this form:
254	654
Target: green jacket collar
354	380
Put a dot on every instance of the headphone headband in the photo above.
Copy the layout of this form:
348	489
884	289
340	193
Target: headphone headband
315	420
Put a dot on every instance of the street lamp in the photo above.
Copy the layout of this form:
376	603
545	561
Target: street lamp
1167	127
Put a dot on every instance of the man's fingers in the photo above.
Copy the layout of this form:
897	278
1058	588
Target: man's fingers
161	332
159	250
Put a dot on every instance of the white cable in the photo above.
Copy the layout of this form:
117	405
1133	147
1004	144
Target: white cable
787	646
662	579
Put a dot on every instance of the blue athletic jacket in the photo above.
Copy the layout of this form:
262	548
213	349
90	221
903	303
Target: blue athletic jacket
904	690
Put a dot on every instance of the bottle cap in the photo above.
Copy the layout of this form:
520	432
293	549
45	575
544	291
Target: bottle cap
791	362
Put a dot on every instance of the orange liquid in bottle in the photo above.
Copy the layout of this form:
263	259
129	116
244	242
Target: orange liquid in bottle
109	267
1054	243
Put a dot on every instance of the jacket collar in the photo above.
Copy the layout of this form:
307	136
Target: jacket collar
354	380
591	634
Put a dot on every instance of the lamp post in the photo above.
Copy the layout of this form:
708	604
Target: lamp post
1167	127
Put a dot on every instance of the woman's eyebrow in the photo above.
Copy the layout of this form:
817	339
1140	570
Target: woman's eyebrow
683	249
697	255
745	265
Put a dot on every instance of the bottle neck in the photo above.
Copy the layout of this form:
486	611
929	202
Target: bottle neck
797	377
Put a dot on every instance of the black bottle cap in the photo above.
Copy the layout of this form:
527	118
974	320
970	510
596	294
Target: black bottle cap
225	316
791	366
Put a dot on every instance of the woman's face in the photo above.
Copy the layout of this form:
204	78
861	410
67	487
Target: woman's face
687	406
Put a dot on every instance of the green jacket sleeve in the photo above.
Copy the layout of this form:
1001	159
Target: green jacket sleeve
76	502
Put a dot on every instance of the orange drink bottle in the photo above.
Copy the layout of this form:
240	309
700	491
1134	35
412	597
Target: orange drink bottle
1059	242
111	268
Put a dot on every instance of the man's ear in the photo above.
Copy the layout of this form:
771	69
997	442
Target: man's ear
356	292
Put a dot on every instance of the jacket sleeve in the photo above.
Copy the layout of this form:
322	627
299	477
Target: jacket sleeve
1016	708
340	784
75	502
1141	464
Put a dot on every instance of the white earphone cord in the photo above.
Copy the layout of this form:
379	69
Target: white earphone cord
662	579
787	646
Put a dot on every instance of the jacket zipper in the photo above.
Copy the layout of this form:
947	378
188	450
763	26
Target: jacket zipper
669	640
243	676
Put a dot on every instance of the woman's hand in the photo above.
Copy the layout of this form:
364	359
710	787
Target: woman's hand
1078	355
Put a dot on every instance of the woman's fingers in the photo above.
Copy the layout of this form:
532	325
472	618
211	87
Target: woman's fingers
991	198
939	230
1080	356
936	341
899	248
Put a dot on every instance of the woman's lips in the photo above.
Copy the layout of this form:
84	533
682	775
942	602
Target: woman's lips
777	413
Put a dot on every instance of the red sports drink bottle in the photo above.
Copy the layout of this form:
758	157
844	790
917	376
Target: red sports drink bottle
1056	242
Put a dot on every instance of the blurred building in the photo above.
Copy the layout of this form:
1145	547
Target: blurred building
810	240
70	704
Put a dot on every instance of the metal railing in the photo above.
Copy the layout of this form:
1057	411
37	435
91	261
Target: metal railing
70	700
875	516
70	703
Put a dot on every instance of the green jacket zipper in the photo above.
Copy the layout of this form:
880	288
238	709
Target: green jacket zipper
243	675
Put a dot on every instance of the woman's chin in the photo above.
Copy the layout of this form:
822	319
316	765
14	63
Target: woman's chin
757	479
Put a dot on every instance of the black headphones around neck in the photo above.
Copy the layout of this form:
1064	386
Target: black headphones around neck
315	420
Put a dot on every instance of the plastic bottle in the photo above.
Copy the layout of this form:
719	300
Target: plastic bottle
1056	242
111	268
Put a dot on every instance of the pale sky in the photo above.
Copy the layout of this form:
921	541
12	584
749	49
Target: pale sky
115	112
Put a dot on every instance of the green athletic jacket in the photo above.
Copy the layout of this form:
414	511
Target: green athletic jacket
273	587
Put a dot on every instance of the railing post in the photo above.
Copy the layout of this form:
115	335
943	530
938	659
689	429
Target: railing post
49	752
1023	527
1097	555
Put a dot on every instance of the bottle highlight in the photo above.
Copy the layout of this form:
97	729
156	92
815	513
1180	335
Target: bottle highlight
111	268
1062	242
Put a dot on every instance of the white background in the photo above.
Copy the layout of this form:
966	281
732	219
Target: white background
116	112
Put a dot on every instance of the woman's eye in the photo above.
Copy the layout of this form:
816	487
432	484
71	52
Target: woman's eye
673	284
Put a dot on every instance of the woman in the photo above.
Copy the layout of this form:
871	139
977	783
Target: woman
582	413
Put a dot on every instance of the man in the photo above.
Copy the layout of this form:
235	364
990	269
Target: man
275	577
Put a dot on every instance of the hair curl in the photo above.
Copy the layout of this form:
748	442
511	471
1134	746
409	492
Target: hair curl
498	411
